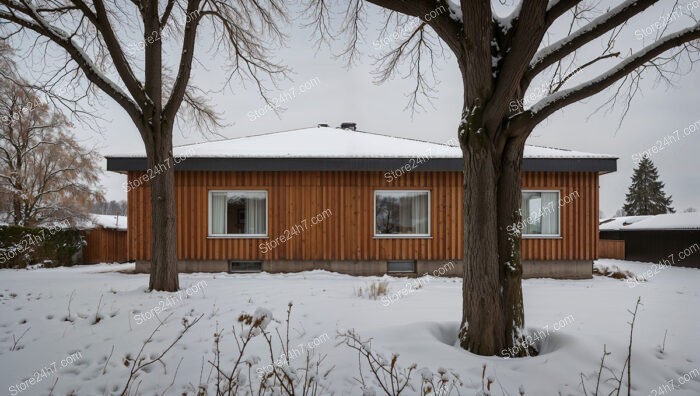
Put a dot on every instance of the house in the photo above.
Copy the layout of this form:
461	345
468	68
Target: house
669	239
355	202
105	239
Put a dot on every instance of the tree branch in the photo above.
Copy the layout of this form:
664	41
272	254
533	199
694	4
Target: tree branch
547	106
559	8
557	87
186	57
414	50
167	12
527	31
596	28
41	26
115	51
447	28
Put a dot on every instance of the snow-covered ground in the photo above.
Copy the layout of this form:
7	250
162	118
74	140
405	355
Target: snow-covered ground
576	318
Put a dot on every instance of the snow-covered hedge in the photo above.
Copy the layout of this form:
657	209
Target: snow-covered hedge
21	246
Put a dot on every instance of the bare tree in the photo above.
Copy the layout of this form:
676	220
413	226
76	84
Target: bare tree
45	175
99	45
112	207
5	56
499	59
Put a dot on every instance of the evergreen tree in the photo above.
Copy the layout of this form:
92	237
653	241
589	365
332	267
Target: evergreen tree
620	213
646	195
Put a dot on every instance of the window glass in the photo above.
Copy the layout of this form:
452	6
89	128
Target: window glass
238	213
402	213
540	213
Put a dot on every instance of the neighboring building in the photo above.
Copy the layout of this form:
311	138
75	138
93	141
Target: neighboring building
106	240
355	202
669	239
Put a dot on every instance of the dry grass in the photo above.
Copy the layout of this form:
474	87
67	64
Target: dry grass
374	290
613	272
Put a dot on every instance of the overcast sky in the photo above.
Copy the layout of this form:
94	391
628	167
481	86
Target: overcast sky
341	94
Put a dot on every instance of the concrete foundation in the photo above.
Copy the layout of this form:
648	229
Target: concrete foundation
572	269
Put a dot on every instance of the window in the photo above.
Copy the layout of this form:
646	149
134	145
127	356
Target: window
400	213
238	213
245	266
540	213
401	266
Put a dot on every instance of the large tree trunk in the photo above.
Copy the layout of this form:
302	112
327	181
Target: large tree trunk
482	330
510	242
163	223
16	207
159	143
492	310
18	214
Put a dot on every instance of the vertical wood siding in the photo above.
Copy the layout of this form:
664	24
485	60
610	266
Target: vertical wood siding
611	249
347	234
579	216
105	246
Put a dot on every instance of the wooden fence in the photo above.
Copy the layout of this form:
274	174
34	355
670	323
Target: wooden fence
611	249
105	245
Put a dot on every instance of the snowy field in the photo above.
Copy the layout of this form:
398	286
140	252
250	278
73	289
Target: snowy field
111	315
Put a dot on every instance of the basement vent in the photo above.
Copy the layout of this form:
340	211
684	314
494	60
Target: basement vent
405	267
244	266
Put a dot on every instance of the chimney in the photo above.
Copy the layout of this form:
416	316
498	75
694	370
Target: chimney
349	125
322	125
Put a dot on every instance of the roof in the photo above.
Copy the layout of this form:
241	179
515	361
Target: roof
106	221
339	149
671	221
617	223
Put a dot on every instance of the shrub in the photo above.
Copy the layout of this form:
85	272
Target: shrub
22	246
613	271
374	290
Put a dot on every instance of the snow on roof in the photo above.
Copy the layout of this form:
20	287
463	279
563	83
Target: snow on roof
107	221
328	142
617	223
671	221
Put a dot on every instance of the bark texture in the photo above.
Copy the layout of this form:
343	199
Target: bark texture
482	329
163	222
493	314
159	142
510	242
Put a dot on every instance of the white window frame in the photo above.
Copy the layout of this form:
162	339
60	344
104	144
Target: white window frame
544	236
374	216
237	236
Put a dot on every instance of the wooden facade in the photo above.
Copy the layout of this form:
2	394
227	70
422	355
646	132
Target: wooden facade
347	234
611	249
105	245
